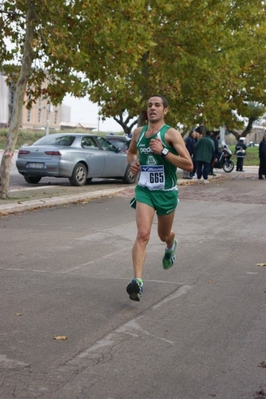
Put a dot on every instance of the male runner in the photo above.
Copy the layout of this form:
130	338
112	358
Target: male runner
155	153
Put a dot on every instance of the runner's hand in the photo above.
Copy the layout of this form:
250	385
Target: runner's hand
156	146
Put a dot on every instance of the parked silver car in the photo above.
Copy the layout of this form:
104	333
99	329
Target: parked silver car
76	156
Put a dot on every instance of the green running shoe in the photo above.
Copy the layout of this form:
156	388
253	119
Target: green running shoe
169	257
135	289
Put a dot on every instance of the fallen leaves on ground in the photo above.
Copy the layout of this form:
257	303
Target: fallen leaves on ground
60	337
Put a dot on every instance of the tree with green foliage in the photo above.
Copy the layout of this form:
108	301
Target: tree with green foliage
208	59
58	47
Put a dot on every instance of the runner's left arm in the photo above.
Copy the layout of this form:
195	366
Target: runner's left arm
174	139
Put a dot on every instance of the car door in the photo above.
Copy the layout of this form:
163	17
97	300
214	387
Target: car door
115	161
94	156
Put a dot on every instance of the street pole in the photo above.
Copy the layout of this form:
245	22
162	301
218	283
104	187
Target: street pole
47	118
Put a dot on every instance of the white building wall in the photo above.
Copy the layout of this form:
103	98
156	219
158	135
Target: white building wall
4	101
65	113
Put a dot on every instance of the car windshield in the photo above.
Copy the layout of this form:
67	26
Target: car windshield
106	144
65	140
119	142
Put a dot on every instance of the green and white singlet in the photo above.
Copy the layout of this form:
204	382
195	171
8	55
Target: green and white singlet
156	172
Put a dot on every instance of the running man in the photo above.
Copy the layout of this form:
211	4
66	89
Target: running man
155	153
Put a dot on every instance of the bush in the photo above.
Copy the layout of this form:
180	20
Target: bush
24	137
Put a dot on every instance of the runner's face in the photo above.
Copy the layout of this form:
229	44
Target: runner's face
156	111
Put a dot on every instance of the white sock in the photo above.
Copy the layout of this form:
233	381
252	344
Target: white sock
172	248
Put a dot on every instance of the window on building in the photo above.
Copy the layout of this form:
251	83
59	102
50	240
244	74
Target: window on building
39	115
55	116
28	115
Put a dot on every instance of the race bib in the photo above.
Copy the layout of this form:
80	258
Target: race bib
152	177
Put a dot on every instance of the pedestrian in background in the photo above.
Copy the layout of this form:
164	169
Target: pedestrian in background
190	144
262	156
240	151
199	133
204	154
215	138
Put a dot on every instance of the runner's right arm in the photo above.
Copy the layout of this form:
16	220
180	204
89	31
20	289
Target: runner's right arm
132	152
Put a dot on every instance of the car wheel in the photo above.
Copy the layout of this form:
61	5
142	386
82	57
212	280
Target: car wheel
32	179
79	175
128	177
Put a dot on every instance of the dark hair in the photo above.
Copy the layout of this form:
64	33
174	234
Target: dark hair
199	129
165	102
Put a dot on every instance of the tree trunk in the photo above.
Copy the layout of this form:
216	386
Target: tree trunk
143	119
24	75
249	126
125	123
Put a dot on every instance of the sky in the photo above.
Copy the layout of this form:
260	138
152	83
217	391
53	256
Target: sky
84	111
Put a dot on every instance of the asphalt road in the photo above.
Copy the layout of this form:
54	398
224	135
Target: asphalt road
198	332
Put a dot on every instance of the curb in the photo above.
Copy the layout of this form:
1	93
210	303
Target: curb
72	199
38	204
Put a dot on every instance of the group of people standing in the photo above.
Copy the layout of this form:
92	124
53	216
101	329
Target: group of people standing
204	150
240	151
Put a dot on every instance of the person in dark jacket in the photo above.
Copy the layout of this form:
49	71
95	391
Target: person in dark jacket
190	144
240	151
204	153
262	156
199	133
214	136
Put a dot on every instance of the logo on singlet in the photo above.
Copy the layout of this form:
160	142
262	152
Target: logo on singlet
145	150
151	160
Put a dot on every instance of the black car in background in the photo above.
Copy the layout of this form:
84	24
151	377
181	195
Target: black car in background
119	141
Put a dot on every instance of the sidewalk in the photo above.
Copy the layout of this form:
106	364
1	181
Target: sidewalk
46	196
41	196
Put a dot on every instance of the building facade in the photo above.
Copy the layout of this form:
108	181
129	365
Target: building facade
41	116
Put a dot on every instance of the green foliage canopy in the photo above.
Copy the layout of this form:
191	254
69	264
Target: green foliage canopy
207	58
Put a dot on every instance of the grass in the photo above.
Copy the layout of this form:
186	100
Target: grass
24	137
251	158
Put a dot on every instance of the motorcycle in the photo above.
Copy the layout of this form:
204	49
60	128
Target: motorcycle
224	162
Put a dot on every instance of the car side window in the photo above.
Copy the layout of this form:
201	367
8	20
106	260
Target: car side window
89	143
65	141
106	145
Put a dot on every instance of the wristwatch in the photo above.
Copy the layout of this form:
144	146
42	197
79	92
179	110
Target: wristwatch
164	152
